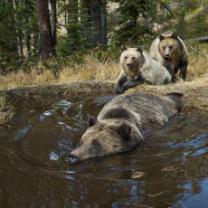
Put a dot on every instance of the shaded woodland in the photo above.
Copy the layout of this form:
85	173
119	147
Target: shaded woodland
65	29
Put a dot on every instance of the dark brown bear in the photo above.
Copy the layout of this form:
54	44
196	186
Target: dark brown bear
170	50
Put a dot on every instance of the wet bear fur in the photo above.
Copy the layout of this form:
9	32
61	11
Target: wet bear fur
120	124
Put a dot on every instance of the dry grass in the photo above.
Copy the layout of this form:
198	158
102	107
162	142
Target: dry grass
195	93
21	78
6	112
197	67
198	64
5	116
93	69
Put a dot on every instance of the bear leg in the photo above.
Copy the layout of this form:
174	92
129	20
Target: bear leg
133	83
183	70
119	89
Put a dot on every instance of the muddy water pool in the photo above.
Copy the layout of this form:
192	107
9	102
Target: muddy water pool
169	170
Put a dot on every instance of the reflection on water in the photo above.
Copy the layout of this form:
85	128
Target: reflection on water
169	170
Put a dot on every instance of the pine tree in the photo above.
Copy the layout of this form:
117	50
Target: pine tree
95	23
46	48
136	19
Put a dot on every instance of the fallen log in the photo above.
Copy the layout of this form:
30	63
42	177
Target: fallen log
199	39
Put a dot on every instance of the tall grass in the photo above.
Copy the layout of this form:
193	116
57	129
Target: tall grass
198	60
91	68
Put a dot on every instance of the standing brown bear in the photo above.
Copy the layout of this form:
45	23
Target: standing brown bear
170	50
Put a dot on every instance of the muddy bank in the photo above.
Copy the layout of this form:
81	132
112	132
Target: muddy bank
195	91
73	88
42	94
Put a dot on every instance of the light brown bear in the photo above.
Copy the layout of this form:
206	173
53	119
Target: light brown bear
120	125
170	50
138	67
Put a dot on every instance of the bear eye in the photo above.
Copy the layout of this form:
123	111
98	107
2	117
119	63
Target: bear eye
170	47
125	57
96	143
96	147
164	47
133	58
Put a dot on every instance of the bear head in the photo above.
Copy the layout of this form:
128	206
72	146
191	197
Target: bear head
105	138
131	61
168	45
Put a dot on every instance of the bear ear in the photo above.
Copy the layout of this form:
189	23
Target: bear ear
139	49
91	121
161	37
174	36
124	131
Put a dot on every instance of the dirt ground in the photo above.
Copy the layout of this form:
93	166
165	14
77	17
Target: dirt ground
195	93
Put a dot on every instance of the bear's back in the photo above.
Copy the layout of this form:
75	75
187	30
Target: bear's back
152	110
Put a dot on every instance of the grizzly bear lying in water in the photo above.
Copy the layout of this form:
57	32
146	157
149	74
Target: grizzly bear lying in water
119	125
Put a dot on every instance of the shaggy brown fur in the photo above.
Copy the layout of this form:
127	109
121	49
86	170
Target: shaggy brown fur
120	124
170	50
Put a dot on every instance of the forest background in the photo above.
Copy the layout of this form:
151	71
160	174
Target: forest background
57	41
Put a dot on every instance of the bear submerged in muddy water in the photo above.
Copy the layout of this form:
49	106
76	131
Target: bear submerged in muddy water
120	125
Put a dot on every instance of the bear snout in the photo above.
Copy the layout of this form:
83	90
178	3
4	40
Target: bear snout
73	158
129	65
167	56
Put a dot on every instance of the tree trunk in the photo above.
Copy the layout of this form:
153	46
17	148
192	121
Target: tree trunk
103	32
46	48
7	41
65	18
95	16
95	28
74	33
27	28
19	45
53	21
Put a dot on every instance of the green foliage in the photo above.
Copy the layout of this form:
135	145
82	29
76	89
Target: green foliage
135	22
198	26
7	35
7	38
185	7
12	27
130	25
186	12
74	40
69	45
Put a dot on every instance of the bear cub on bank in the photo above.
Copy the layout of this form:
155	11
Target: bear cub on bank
170	50
138	67
120	125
